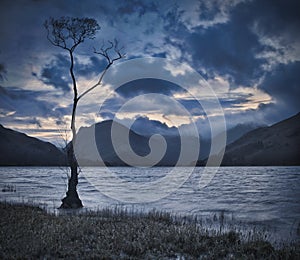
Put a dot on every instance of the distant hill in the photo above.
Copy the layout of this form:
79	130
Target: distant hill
233	134
18	149
101	132
278	144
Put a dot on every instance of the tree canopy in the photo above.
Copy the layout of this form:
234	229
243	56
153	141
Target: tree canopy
68	32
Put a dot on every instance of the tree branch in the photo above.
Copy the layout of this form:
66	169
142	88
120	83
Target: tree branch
105	53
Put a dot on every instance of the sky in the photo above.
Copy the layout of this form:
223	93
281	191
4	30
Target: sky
248	52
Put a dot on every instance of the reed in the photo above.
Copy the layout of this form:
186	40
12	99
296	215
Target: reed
31	232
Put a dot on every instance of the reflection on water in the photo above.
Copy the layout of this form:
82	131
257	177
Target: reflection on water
267	196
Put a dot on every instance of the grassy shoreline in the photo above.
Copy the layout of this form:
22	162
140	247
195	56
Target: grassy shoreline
30	232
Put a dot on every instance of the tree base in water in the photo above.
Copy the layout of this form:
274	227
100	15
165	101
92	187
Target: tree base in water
71	203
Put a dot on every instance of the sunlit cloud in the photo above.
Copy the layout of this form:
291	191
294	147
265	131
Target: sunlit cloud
178	69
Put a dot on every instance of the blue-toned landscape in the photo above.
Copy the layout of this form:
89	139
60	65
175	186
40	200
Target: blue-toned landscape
146	129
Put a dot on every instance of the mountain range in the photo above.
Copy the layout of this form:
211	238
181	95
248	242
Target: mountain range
278	144
246	145
101	133
18	149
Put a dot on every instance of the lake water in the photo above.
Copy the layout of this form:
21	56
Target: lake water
267	197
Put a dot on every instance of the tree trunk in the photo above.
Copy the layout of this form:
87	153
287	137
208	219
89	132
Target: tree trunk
72	200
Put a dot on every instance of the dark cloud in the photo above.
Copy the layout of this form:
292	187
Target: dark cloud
235	102
193	106
137	88
136	6
144	126
106	115
283	84
94	67
110	107
60	122
61	111
35	121
232	48
208	12
228	49
276	16
24	103
146	86
56	73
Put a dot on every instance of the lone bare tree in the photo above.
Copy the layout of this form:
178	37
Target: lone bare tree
67	33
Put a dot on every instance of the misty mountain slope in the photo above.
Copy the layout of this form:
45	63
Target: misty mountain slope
147	127
232	135
278	144
21	150
239	130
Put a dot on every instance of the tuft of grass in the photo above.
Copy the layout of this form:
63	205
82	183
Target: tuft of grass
30	232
